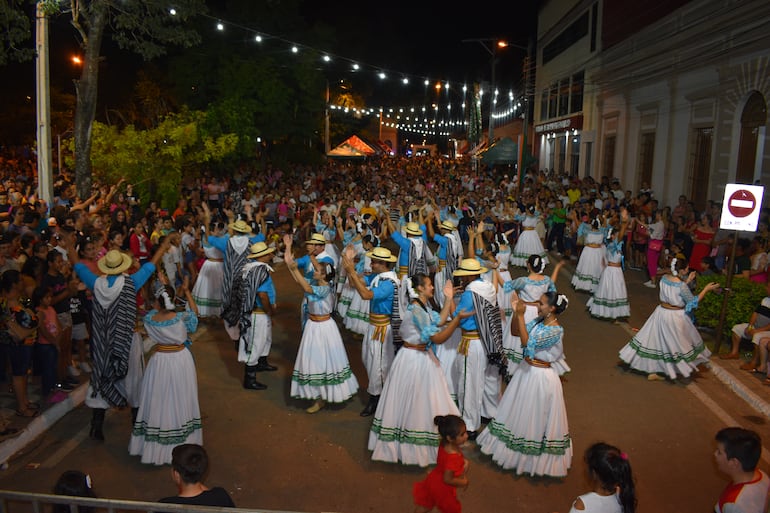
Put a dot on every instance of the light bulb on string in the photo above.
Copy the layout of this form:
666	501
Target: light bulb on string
220	26
172	11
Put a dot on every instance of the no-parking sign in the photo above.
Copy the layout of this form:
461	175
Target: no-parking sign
741	206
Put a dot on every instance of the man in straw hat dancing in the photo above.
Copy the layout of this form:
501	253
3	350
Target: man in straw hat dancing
478	384
113	319
254	291
381	289
235	246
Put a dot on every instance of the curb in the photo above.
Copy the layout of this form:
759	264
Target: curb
41	423
740	389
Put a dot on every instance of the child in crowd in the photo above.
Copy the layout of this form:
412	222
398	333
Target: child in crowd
47	343
612	483
737	455
439	489
189	465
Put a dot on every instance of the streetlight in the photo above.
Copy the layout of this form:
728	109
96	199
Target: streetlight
492	50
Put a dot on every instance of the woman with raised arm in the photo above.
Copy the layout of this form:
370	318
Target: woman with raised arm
321	370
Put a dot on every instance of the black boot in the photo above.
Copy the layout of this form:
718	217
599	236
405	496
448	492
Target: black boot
250	379
134	413
97	423
262	365
371	406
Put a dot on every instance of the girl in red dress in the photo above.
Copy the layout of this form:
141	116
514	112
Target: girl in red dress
439	489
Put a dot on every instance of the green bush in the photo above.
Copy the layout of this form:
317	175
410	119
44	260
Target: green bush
743	299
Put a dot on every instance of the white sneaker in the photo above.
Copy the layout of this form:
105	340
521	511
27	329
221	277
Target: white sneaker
73	371
85	367
649	284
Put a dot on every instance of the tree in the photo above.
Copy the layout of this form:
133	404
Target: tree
143	26
163	154
15	31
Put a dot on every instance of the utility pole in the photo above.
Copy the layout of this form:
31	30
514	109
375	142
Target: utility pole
327	146
43	101
527	104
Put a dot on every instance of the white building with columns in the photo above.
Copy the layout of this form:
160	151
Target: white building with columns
667	95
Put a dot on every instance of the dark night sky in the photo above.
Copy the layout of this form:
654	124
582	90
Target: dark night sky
416	39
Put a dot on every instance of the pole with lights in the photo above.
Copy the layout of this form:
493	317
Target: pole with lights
492	50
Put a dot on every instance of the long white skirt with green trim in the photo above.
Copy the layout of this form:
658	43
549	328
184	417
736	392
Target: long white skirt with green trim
589	269
415	391
530	433
668	343
169	413
322	369
610	299
357	314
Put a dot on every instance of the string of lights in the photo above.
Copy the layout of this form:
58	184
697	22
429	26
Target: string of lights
437	116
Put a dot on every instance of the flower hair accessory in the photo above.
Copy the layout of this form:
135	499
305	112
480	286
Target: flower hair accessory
561	299
673	267
167	303
412	293
88	481
623	456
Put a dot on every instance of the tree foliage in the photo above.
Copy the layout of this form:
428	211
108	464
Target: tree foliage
159	156
15	29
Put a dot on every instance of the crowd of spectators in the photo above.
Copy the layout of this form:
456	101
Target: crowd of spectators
294	199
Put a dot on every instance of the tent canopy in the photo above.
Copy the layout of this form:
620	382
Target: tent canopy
504	151
354	147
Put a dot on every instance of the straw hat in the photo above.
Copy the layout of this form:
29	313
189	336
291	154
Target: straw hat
259	249
114	262
380	253
240	226
413	229
448	225
469	267
316	238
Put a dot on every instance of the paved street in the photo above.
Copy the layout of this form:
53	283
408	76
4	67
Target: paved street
268	453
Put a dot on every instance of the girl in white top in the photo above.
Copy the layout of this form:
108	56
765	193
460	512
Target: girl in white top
612	482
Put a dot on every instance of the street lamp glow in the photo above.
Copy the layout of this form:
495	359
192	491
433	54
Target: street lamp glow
220	26
502	44
77	60
172	11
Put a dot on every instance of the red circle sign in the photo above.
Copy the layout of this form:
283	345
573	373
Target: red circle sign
741	203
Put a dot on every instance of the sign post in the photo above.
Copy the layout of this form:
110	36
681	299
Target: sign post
740	212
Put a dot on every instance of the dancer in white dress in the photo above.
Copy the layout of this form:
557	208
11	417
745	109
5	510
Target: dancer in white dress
415	391
321	370
357	313
610	299
591	262
169	413
529	289
530	432
669	343
207	291
529	242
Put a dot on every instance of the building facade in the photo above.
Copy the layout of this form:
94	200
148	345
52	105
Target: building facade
666	95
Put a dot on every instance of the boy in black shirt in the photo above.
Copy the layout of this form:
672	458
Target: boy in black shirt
189	464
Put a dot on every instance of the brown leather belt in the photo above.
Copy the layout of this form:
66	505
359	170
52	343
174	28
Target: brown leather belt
613	264
173	348
532	303
258	311
669	306
593	245
418	347
215	259
528	228
537	363
319	318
